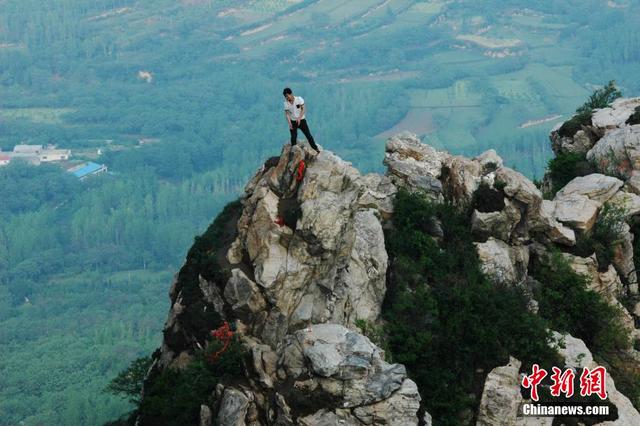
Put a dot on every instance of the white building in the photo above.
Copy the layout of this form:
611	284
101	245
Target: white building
55	155
27	149
36	154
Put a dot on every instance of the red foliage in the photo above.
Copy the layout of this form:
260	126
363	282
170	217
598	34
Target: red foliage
279	221
222	334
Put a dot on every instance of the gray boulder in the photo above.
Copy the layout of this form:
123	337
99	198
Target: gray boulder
504	263
617	114
501	396
351	371
596	187
233	408
618	152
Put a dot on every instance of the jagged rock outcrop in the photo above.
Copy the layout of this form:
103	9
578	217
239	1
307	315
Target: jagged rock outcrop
344	366
618	152
616	115
413	164
607	283
555	230
507	214
577	204
307	260
600	124
327	261
510	219
506	264
596	187
302	257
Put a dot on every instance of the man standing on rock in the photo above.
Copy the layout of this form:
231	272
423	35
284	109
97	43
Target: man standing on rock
294	110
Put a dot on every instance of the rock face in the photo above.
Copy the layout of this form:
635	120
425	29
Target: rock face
325	264
576	211
347	368
303	258
618	152
510	217
577	355
501	399
596	187
413	164
601	123
308	259
608	141
506	264
616	115
501	396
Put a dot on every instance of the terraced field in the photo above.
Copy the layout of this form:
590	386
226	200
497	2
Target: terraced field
463	72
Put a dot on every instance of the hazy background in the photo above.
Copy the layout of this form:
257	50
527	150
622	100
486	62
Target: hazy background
85	267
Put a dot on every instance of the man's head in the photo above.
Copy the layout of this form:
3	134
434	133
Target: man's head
288	94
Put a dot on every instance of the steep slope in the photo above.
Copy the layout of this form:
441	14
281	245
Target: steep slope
294	289
299	264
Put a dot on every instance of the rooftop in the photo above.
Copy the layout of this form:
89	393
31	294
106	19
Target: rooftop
86	169
27	149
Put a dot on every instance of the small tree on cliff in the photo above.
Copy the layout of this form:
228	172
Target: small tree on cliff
129	382
601	98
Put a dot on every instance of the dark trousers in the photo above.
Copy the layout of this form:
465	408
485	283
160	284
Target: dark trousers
305	129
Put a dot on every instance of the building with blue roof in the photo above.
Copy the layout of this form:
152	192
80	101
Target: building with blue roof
85	170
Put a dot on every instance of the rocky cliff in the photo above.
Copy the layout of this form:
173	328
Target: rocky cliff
299	264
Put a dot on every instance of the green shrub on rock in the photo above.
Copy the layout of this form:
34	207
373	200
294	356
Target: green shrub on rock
445	321
570	127
129	382
174	396
565	167
570	306
600	98
605	235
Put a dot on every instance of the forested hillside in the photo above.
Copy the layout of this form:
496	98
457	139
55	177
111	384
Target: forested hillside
182	101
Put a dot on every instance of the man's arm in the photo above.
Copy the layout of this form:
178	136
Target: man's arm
301	113
286	115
